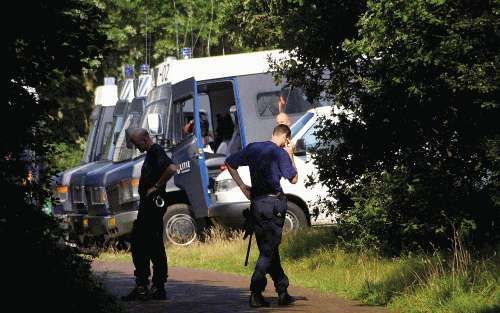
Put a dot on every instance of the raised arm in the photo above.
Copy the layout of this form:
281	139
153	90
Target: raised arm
167	174
288	168
235	160
247	190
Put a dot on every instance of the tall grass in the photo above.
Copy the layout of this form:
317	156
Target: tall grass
441	283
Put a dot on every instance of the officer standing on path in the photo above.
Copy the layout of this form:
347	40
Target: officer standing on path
147	233
268	161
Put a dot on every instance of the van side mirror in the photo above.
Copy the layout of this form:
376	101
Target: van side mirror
300	147
155	124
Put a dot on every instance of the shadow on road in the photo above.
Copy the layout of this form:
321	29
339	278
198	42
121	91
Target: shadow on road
196	296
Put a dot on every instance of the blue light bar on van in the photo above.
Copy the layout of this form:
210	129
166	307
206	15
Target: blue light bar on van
187	53
128	71
144	69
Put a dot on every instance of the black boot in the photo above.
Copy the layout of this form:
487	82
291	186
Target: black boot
257	300
285	298
158	293
138	293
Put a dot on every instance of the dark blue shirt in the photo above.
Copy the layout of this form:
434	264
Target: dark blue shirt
155	163
267	163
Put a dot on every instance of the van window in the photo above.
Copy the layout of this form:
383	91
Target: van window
106	135
310	136
301	122
267	104
94	123
122	152
296	102
312	142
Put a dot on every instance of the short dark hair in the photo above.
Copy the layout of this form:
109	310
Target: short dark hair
137	131
282	129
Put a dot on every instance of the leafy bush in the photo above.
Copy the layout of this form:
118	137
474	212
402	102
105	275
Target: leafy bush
53	276
40	270
64	155
417	84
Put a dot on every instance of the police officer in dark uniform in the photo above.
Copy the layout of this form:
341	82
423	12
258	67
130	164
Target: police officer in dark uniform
147	234
268	161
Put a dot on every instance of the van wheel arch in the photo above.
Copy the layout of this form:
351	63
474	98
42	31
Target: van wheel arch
299	202
177	200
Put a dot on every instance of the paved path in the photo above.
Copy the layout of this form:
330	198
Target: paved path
201	291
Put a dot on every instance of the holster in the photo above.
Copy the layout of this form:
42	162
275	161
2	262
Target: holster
248	225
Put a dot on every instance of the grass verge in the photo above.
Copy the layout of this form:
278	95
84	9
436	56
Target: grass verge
454	283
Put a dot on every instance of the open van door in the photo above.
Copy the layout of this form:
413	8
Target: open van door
192	175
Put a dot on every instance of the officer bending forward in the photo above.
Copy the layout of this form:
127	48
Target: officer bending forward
147	233
268	162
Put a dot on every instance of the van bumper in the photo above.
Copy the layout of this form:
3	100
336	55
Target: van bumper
112	226
74	225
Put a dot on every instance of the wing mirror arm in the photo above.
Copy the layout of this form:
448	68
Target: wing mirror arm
300	148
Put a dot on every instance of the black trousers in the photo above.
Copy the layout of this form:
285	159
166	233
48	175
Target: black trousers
268	215
147	245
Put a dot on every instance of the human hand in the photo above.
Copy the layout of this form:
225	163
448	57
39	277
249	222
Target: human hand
289	147
151	190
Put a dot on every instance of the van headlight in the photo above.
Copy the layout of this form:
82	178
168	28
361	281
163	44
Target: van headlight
61	193
225	185
128	190
98	195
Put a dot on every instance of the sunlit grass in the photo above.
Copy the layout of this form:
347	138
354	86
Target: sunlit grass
411	284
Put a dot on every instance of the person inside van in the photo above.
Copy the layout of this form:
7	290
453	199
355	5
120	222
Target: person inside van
234	144
282	117
205	133
225	130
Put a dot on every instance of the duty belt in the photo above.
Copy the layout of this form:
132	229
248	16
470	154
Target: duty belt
278	195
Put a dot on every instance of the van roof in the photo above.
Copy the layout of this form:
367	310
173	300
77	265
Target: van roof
126	89
173	71
106	95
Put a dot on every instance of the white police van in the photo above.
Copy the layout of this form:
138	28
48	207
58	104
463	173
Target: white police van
302	208
239	97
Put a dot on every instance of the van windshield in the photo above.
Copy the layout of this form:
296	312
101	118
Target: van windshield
122	152
89	147
110	140
300	123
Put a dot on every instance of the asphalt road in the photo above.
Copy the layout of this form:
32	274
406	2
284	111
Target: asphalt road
201	291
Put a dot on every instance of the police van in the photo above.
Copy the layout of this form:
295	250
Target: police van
69	205
200	111
303	210
239	98
112	189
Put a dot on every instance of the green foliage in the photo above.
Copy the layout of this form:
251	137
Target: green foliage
165	25
251	24
61	277
73	102
64	156
42	56
418	83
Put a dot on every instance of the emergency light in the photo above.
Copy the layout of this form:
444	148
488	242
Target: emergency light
187	53
128	71
144	69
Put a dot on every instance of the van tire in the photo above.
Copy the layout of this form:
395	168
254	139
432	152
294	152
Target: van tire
179	225
295	218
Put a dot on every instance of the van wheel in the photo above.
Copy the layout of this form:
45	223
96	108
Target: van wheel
179	225
295	218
